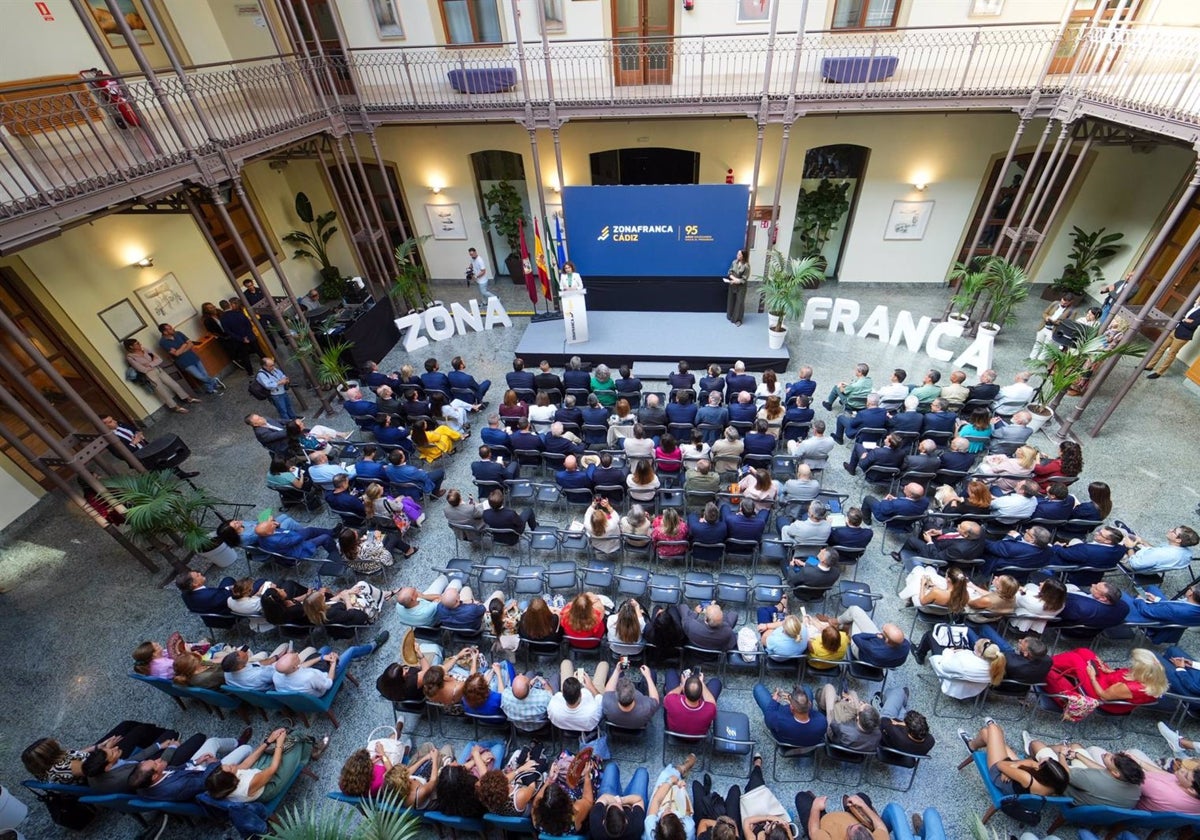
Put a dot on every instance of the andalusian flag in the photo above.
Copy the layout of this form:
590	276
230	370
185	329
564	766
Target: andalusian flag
539	256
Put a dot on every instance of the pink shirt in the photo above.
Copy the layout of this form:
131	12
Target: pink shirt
163	666
1161	792
377	774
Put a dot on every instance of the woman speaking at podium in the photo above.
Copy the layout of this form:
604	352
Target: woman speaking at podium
569	279
739	275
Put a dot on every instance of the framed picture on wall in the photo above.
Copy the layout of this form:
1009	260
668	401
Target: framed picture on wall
986	8
122	319
446	221
753	11
908	220
387	19
166	302
107	24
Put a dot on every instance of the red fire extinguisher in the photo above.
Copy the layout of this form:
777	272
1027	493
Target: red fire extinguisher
688	5
110	92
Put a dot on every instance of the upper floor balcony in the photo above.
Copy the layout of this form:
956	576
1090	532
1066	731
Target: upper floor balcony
69	148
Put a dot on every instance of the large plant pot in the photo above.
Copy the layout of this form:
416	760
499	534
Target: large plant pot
12	810
516	269
776	338
956	325
1039	416
991	329
222	556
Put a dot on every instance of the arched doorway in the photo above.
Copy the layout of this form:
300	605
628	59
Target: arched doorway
491	167
829	190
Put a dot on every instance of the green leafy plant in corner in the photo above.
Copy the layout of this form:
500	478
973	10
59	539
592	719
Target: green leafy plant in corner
380	818
410	289
313	243
162	510
507	212
817	213
784	284
1061	369
1007	286
1089	251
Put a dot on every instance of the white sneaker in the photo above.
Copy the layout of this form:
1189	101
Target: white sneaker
1026	739
1169	735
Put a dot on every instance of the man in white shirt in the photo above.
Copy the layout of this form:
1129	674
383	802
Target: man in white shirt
1153	559
1017	505
577	707
296	675
895	391
240	672
480	274
1012	398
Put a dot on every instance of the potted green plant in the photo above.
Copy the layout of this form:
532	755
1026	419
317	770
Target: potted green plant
375	818
410	289
1089	251
328	367
1063	369
1007	286
783	291
817	213
970	279
166	513
313	244
503	202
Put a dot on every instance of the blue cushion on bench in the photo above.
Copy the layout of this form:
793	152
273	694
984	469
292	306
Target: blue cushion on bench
859	68
483	79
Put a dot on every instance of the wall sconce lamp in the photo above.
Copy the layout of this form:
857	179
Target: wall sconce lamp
920	186
144	262
436	189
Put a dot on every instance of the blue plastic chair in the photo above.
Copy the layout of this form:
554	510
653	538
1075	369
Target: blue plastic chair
454	824
510	825
166	686
261	700
998	798
214	700
896	820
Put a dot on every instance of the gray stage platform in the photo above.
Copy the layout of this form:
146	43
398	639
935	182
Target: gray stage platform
623	337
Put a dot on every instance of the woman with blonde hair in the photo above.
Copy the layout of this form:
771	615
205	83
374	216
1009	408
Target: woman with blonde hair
965	672
669	528
785	638
1081	672
384	510
977	502
1014	468
191	670
1000	598
772	413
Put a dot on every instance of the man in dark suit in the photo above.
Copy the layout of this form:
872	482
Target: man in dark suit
1056	504
433	379
1008	435
495	434
737	381
239	333
713	382
520	379
628	383
340	498
713	414
488	469
569	413
744	523
460	379
154	779
913	503
374	378
964	543
1027	661
758	441
938	419
399	471
956	458
561	442
595	414
683	408
883	647
605	474
522	438
108	772
987	389
356	406
709	627
547	380
199	597
708	526
889	454
270	433
1100	607
652	414
909	420
369	465
506	518
570	477
414	406
852	535
1102	554
871	417
681	379
742	408
575	377
1029	552
804	386
925	460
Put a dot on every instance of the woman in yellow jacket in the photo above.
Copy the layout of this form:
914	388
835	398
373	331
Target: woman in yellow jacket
433	443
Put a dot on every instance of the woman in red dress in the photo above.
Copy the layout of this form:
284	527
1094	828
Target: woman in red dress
1080	671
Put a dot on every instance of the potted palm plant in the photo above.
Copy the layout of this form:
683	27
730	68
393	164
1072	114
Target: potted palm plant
374	818
1089	251
1007	286
313	244
329	368
970	279
166	513
410	290
783	291
1066	368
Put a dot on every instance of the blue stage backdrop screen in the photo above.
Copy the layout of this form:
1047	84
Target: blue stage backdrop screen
681	230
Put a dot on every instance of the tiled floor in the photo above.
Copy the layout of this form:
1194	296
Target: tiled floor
76	605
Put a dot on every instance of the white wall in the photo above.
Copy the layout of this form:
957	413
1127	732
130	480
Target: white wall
33	47
199	34
18	493
242	34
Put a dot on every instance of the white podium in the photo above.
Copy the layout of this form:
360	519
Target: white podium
574	310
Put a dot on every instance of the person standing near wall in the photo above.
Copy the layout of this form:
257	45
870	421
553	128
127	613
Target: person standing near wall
276	382
180	348
150	366
478	271
739	276
1170	349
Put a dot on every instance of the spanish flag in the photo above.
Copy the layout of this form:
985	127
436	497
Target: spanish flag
539	256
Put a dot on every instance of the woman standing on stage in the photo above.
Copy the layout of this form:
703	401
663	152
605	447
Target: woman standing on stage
569	278
739	275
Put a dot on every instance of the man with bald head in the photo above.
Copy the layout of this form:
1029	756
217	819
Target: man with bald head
737	380
570	477
1009	435
1012	398
297	675
743	409
457	607
559	441
913	503
356	406
964	543
652	413
709	627
803	386
525	702
883	647
300	544
420	609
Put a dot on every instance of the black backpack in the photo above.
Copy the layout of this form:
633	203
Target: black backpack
257	389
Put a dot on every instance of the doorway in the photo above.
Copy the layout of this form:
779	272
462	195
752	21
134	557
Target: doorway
48	339
491	167
642	31
327	39
1071	47
829	190
627	167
